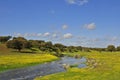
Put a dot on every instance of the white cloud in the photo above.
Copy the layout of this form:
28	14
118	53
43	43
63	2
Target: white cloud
82	2
67	36
18	34
46	34
54	35
78	2
39	34
90	26
64	26
71	1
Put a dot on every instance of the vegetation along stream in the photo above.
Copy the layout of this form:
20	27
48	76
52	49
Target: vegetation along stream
29	73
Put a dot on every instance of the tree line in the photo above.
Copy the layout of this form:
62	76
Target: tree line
20	43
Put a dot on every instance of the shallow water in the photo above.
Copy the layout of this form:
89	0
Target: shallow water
73	61
29	73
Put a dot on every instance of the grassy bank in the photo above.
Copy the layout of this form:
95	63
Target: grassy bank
17	60
107	68
10	59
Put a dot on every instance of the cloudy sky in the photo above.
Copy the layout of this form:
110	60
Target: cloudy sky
92	23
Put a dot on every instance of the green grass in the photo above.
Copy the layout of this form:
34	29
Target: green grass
18	60
12	60
107	68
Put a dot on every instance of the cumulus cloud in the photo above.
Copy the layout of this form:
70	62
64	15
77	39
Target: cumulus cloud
64	26
39	34
46	34
71	1
67	36
82	2
54	35
90	26
78	2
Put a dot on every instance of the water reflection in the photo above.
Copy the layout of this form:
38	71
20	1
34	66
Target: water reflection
80	62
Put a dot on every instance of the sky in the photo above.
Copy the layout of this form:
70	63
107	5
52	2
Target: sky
89	23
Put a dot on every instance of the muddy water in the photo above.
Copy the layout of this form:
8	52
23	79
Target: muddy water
29	73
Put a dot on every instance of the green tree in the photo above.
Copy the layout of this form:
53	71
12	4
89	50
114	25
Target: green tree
118	48
86	49
34	43
49	46
4	39
17	43
72	49
28	45
60	46
79	48
111	48
42	46
45	46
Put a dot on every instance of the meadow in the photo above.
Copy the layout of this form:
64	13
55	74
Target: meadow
107	68
18	60
100	65
12	60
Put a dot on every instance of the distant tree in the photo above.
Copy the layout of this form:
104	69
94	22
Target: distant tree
118	48
79	48
99	49
4	39
42	46
86	49
58	52
48	46
34	43
9	44
103	49
72	49
111	48
28	45
17	43
60	46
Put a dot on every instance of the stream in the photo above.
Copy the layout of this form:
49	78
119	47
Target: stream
29	73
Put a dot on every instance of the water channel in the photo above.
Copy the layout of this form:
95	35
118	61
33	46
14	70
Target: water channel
29	73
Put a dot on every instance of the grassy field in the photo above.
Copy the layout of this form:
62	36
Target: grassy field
11	60
107	68
21	60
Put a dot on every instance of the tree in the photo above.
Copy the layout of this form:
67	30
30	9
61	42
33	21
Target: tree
60	46
34	43
49	46
28	45
86	49
17	43
4	39
118	48
42	46
45	46
72	49
111	48
79	48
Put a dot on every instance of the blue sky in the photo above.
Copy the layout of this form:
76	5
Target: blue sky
92	23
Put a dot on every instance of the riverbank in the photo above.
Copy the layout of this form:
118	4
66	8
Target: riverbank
29	73
106	67
19	60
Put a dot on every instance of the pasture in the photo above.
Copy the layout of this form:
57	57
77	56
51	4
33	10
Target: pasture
107	68
18	60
